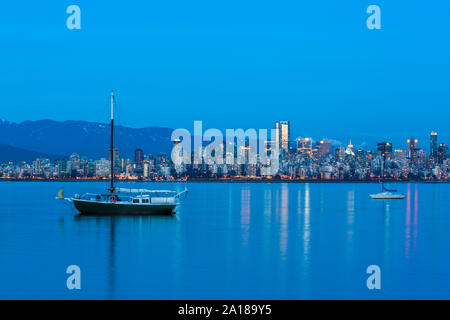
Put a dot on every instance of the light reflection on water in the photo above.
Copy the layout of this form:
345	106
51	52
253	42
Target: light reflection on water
306	224
246	241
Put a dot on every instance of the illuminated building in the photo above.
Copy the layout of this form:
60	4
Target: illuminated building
117	162
138	156
400	154
339	153
433	145
324	147
269	145
282	135
304	146
102	167
62	167
384	148
413	147
442	153
75	161
420	158
350	149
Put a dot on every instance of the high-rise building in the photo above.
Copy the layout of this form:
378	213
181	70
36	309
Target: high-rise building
102	167
75	161
385	148
413	147
339	153
62	166
420	158
282	131
442	153
324	147
433	145
304	146
116	160
138	156
350	150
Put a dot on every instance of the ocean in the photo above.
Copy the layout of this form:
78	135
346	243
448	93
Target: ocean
229	241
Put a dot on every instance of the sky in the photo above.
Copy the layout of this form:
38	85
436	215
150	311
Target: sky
233	64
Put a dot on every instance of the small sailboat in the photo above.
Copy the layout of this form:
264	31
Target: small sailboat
121	201
386	194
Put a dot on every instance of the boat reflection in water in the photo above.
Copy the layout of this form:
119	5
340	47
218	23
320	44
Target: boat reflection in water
114	231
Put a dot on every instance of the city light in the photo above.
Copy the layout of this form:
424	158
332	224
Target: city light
306	160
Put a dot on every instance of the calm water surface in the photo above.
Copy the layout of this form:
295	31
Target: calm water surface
229	241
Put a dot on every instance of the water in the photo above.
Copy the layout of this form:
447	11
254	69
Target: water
229	241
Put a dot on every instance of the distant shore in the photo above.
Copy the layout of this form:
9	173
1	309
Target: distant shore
201	180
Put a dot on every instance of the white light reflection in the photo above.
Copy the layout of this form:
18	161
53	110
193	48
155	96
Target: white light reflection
245	215
306	224
416	216
284	223
408	221
351	213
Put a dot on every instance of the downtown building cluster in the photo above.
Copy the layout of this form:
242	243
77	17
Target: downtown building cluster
321	160
299	159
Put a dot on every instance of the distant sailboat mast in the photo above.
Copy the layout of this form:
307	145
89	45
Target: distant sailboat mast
111	152
382	171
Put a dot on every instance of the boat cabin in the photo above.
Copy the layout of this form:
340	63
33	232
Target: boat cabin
139	199
146	199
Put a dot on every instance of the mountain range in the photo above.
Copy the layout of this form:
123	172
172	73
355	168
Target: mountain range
15	155
48	138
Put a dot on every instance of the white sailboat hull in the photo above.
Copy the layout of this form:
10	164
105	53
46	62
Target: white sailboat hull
387	196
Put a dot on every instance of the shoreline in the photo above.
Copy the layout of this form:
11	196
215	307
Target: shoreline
229	181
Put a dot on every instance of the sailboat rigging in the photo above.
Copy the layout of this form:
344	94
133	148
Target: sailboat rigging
386	194
116	202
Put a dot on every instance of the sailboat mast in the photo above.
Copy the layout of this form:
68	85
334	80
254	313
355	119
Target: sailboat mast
112	189
382	170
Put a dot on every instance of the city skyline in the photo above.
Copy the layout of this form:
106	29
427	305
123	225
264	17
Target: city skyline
300	158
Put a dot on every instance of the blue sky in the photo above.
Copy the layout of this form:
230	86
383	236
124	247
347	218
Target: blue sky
233	64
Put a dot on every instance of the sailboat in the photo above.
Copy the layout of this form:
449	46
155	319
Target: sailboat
386	194
122	201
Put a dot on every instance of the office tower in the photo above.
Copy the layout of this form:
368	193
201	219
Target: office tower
304	146
385	148
420	159
433	145
324	147
339	153
282	131
102	167
442	152
269	145
413	147
177	152
91	168
115	155
75	161
62	166
116	159
400	154
138	156
350	150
